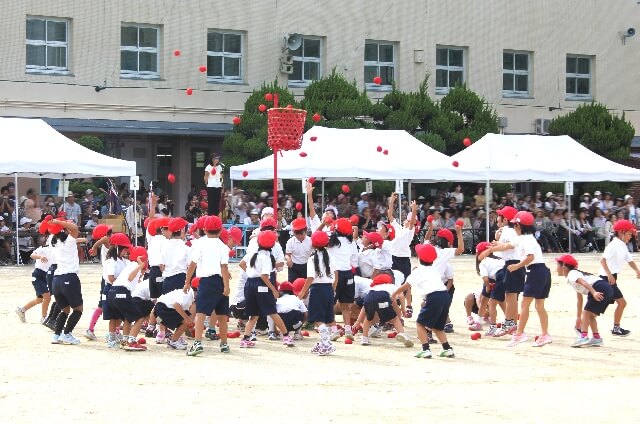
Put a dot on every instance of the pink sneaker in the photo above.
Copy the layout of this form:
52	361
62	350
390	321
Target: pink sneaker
542	340
247	343
501	331
470	321
287	340
517	339
476	326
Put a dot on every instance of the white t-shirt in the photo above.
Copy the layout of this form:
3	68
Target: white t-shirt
42	251
299	250
104	250
112	267
490	266
52	257
66	255
209	253
175	257
155	248
509	236
573	277
141	290
321	278
389	288
616	254
262	265
447	274
344	256
214	180
242	279
425	280
123	278
400	244
528	245
385	261
440	264
289	303
368	261
178	296
362	286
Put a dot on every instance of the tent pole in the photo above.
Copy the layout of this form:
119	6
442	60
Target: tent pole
568	198
400	206
232	196
306	203
135	221
16	209
409	191
322	202
487	188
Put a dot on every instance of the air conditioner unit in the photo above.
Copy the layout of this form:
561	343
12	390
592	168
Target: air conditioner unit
542	126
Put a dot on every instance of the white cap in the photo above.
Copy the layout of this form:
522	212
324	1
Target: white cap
597	193
254	212
626	197
549	194
266	210
264	195
96	212
70	194
24	220
88	191
364	193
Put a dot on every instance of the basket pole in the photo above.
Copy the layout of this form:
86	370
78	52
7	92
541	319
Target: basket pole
275	169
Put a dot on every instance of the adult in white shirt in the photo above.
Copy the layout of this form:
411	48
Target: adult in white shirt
71	208
213	180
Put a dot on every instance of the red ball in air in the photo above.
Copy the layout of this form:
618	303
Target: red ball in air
379	148
171	178
430	218
377	80
236	120
262	108
202	69
189	91
245	173
298	206
312	180
455	163
345	188
385	152
268	97
176	53
459	223
466	142
313	138
303	155
316	117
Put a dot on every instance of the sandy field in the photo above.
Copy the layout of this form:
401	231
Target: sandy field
487	381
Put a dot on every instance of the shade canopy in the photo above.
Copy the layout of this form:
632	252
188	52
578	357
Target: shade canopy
352	154
514	158
32	148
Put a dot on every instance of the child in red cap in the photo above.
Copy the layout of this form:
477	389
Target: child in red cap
400	243
291	309
298	250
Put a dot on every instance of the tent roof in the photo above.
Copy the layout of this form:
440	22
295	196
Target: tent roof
34	149
351	154
512	158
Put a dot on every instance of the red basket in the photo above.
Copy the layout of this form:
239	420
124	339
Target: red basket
285	128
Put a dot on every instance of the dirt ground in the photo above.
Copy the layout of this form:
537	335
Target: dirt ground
486	381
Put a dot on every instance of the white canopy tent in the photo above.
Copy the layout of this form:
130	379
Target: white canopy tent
34	149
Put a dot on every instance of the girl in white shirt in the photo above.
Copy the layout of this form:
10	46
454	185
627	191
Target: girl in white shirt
298	250
538	281
114	264
39	281
401	244
175	256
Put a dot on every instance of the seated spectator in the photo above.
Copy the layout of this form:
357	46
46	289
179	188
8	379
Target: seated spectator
586	201
598	224
5	241
26	245
545	238
608	227
365	222
607	203
550	204
92	222
584	231
253	218
449	220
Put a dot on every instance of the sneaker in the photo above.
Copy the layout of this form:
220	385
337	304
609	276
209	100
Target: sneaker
406	341
90	335
503	331
424	354
113	344
448	328
262	332
297	335
178	345
619	331
364	341
408	313
580	341
447	354
195	349
578	331
316	348
325	349
69	339
240	327
491	332
595	342
43	320
247	343
348	333
335	335
211	334
134	347
375	332
542	340
274	336
118	337
161	339
476	326
470	321
288	341
21	315
56	339
387	326
150	332
224	348
517	339
254	336
51	325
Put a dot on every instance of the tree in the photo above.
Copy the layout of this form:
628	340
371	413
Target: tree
593	126
91	143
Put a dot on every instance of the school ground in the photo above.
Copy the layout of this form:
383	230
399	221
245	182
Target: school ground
487	381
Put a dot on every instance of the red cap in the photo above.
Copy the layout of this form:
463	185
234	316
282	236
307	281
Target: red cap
375	238
319	239
355	220
267	239
523	218
343	226
268	222
391	232
299	224
54	228
446	234
120	239
482	246
381	279
285	286
100	231
137	252
195	283
236	234
298	284
61	214
212	223
624	225
177	224
507	212
48	218
162	222
567	259
44	227
426	253
152	227
224	235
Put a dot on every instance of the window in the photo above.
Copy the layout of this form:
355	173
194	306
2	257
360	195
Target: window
306	62
579	77
47	45
139	51
449	68
515	74
379	61
224	56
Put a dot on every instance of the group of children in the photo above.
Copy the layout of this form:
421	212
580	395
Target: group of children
176	286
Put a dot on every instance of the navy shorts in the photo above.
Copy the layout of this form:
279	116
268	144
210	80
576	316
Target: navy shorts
52	269
434	313
106	314
321	304
39	281
346	288
210	297
401	264
379	302
451	291
514	281
167	316
474	308
144	306
359	301
617	294
238	311
538	282
297	271
121	305
67	290
102	284
258	298
607	291
172	283
292	319
155	282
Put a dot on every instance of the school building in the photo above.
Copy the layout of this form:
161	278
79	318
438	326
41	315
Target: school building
119	70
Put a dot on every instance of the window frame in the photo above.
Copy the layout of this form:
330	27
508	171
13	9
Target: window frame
303	59
514	72
370	85
576	76
224	79
138	74
449	68
46	69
